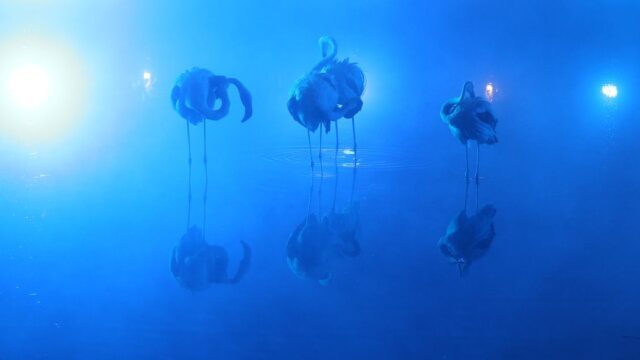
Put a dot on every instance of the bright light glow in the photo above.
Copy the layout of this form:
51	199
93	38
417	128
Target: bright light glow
148	80
43	89
610	91
29	86
489	91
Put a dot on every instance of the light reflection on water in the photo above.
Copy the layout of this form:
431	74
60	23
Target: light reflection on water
374	158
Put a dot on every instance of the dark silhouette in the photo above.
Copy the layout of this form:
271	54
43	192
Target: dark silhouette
196	264
470	118
330	91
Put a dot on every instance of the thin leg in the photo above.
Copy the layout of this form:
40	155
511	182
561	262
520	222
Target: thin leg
310	199
353	183
310	154
189	193
478	164
320	194
335	188
337	140
466	156
355	165
335	167
320	153
353	129
477	195
206	183
466	195
320	149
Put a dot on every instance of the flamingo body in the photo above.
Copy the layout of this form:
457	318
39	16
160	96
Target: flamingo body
344	228
330	91
313	102
309	250
470	117
349	82
196	264
197	91
468	238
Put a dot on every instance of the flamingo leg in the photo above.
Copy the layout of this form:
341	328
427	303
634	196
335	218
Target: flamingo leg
310	153
206	182
466	195
335	188
466	155
353	128
310	198
320	153
477	195
335	166
189	162
353	182
337	140
320	149
320	192
478	164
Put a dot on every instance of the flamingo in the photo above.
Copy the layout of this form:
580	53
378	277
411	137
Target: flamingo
468	238
317	242
349	80
470	117
194	96
194	263
345	225
329	91
309	251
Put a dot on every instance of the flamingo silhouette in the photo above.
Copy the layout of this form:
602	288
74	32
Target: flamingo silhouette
344	225
195	95
318	242
470	117
309	251
329	91
196	264
196	92
468	238
349	81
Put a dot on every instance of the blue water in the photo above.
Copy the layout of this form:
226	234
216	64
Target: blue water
89	215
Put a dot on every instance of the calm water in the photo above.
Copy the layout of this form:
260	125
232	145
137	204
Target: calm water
92	209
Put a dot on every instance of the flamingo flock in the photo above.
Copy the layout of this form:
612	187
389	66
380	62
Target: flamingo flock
331	90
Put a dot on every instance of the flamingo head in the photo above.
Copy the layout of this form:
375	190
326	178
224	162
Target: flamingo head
467	89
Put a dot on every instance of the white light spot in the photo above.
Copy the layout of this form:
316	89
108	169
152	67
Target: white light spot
29	86
42	91
489	91
610	90
148	80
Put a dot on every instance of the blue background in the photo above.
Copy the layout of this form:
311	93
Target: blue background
84	250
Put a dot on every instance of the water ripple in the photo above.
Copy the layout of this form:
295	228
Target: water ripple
389	158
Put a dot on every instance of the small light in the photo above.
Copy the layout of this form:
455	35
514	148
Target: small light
489	91
610	90
148	80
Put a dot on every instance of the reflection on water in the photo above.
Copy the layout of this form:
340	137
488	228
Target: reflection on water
318	241
468	238
378	158
195	264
